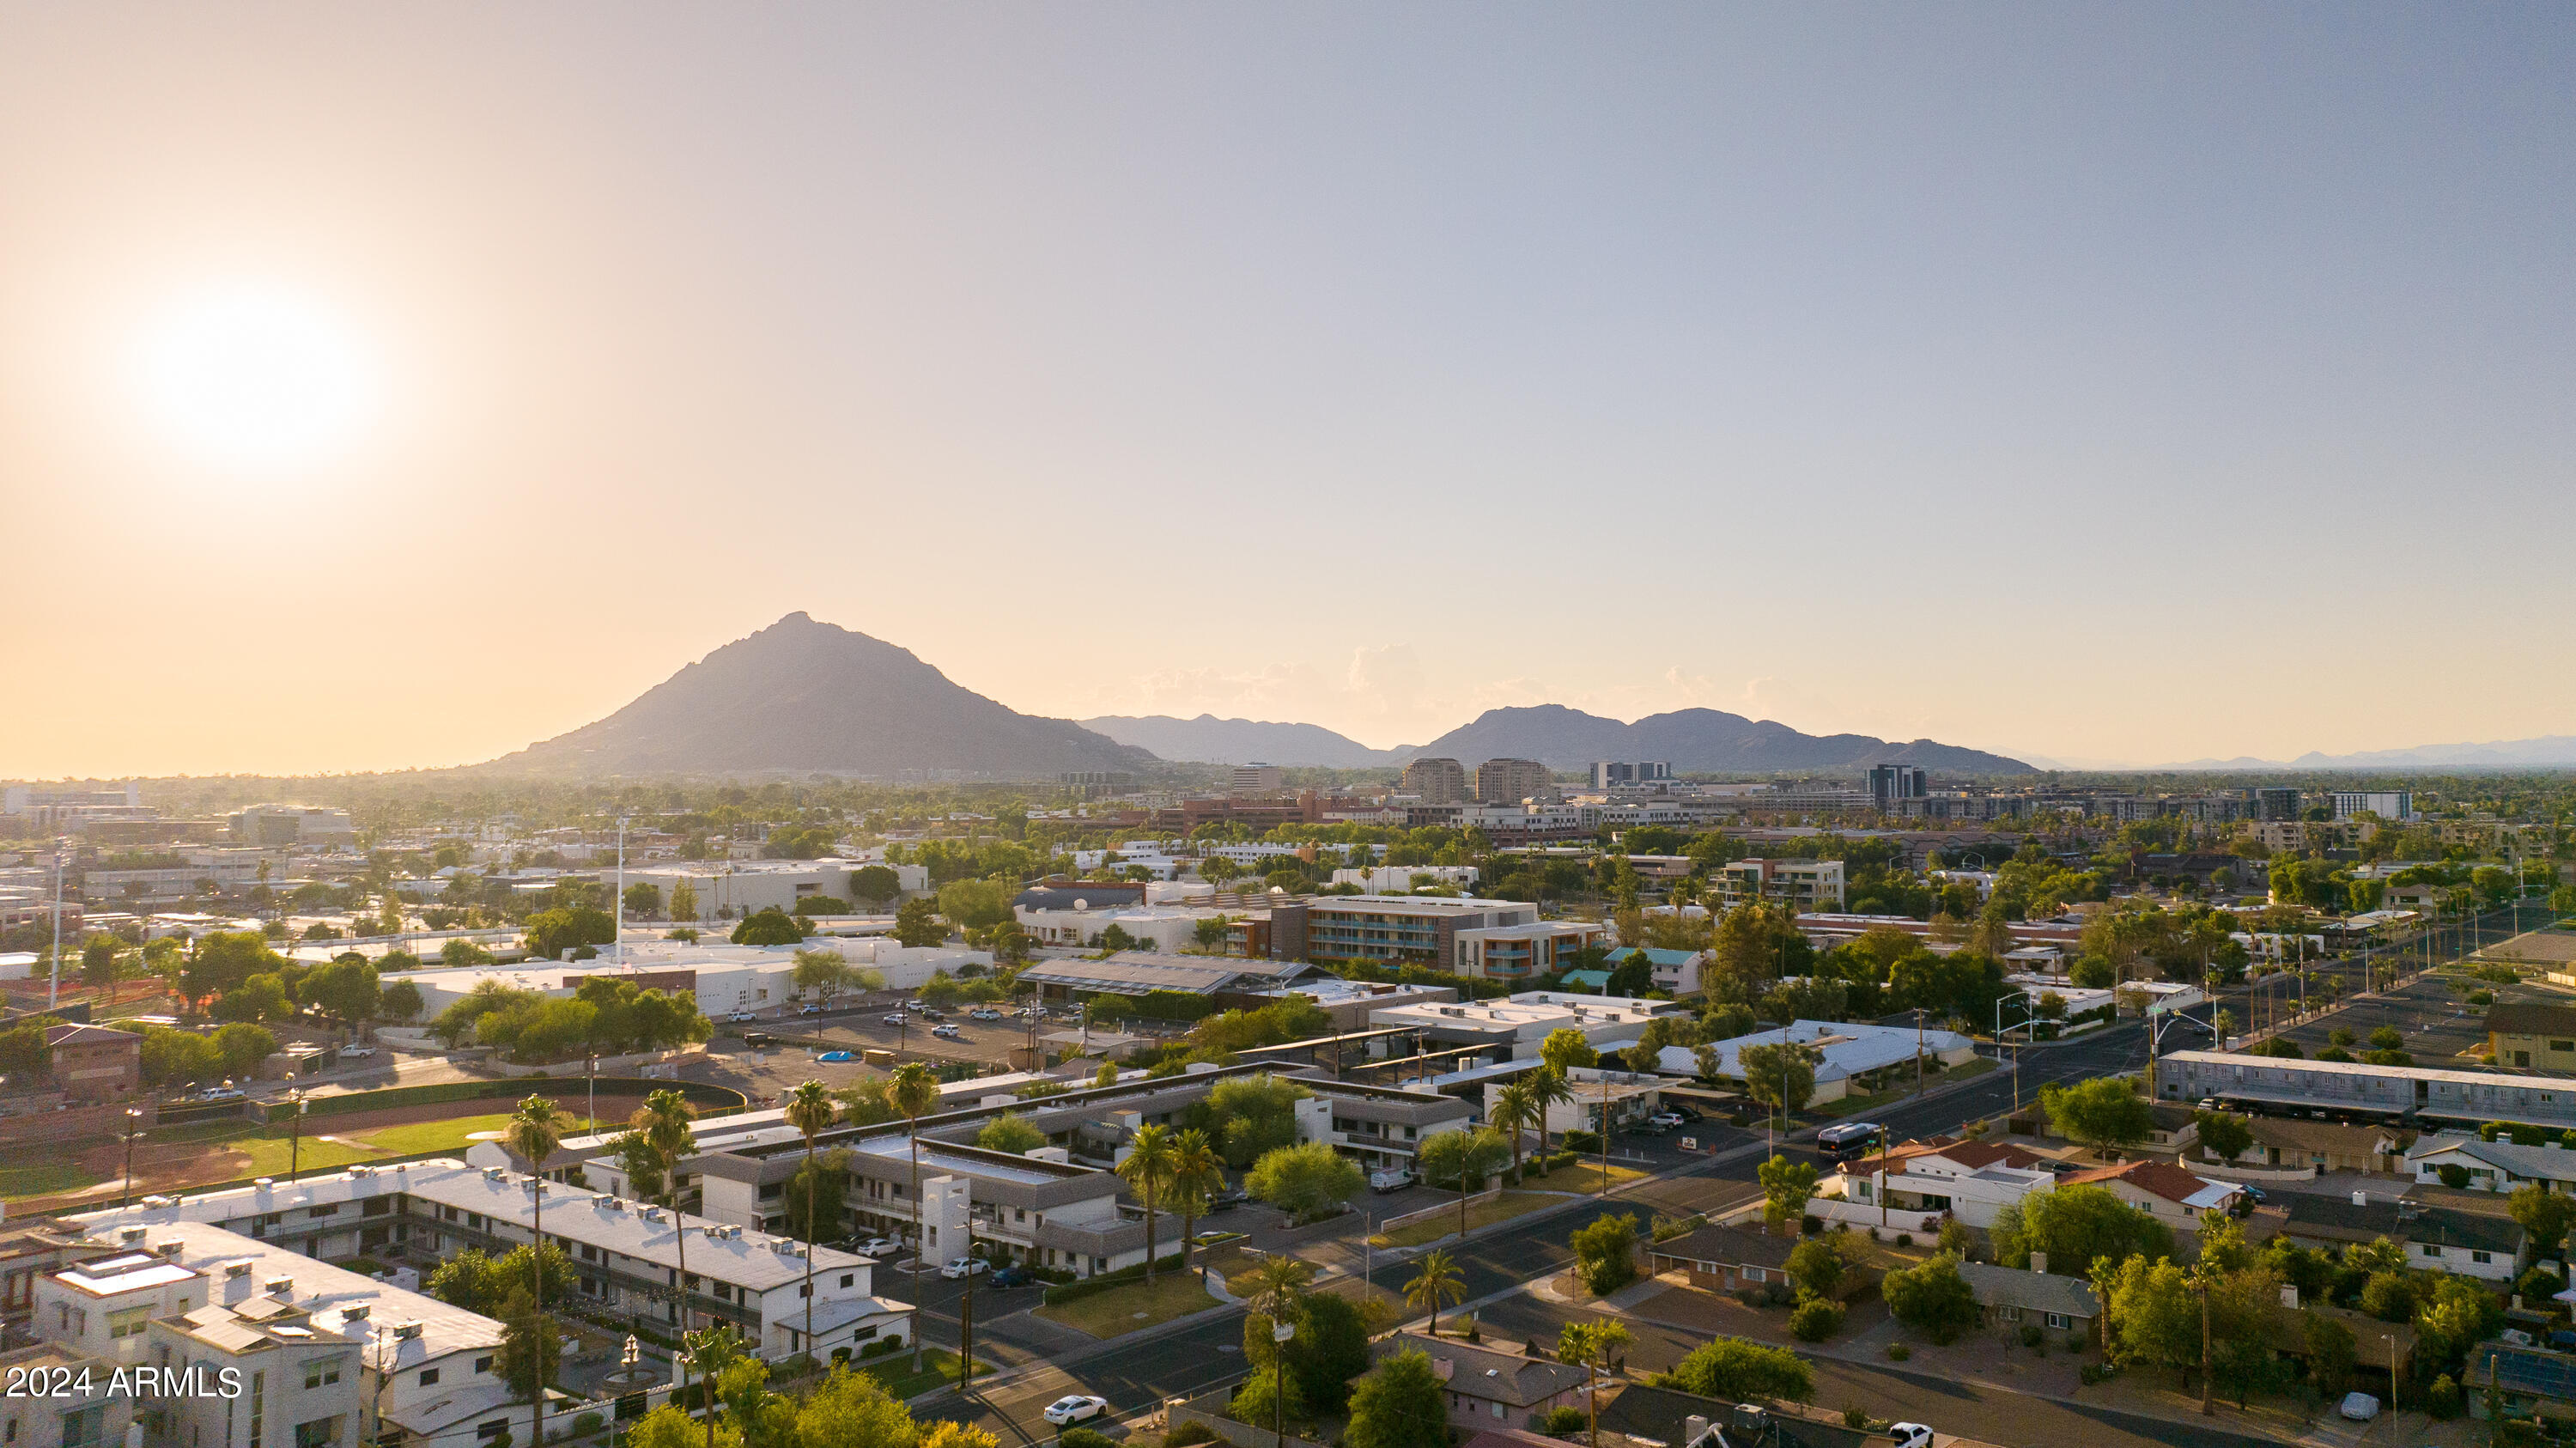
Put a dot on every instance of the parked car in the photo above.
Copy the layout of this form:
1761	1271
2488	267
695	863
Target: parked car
1011	1277
1908	1435
356	1053
836	1057
964	1267
1228	1200
947	1031
1665	1119
894	1018
759	1040
985	1013
809	1009
879	1247
2359	1407
740	1016
1688	1114
1075	1408
930	1013
1394	1180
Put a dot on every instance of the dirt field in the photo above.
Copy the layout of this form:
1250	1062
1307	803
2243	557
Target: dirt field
240	1149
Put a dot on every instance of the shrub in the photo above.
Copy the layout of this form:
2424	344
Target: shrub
1816	1319
1079	1437
1810	1225
1898	1352
2092	1373
2442	1400
587	1423
1856	1418
2030	1334
2075	1342
1560	1422
1189	1433
2454	1175
1905	1239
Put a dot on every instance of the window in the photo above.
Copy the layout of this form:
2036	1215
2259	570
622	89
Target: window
483	1364
320	1433
2058	1321
320	1371
2562	1045
318	1213
128	1321
2432	1249
849	1279
81	1427
486	1432
429	1377
258	1404
2482	1257
2007	1313
1755	1274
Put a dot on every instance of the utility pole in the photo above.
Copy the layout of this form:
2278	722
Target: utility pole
620	905
1918	1050
54	988
2205	1409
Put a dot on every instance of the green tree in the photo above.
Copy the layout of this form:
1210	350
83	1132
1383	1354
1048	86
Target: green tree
769	926
684	900
1466	1158
642	900
915	1093
346	991
1605	1253
1567	1048
1786	1186
242	1046
1247	1116
1330	1351
2077	1226
1147	1170
1436	1281
1781	1075
1305	1180
552	932
2226	1135
530	1350
874	884
1932	1297
24	1052
2150	1314
399	1001
1198	1173
2544	1214
1011	1132
917	925
1399	1404
260	998
1595	1344
1815	1267
1516	1109
2101	1113
1733	1370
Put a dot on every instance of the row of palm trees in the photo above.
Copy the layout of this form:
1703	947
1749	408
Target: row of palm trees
1183	1168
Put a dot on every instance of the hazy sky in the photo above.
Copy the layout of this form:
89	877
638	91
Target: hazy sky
2107	382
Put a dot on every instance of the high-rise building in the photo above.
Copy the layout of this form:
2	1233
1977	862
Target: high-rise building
2275	802
1436	781
2388	804
1509	781
1259	778
1610	775
1890	785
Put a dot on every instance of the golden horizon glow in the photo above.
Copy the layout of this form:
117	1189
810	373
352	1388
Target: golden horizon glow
256	378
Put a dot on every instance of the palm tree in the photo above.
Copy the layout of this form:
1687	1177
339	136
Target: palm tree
1516	1108
1469	1156
914	1092
1197	1170
663	1122
535	1130
1148	1169
1591	1344
1279	1287
1552	1090
811	1110
1437	1281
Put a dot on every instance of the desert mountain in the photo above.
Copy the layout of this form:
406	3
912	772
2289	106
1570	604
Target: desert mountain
1691	740
808	697
1210	740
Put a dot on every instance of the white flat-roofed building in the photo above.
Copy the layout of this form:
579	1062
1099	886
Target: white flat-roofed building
625	1255
87	1413
1397	879
730	889
1517	1025
1804	884
1844	1049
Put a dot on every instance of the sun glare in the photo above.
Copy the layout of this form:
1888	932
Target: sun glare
254	379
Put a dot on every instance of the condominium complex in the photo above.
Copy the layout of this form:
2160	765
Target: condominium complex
1512	781
1803	884
1398	928
1436	781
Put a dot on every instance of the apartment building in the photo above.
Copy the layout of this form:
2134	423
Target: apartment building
1512	781
87	1413
626	1255
1520	953
1392	929
1436	781
1612	774
1803	885
2388	804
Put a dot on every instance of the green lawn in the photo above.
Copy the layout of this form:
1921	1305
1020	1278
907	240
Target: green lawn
939	1367
1125	1309
20	1180
449	1134
1479	1214
1583	1177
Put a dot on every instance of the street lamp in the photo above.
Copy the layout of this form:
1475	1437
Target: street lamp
594	1092
295	1128
1280	1332
133	1129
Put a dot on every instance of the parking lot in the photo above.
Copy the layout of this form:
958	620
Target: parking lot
2439	1025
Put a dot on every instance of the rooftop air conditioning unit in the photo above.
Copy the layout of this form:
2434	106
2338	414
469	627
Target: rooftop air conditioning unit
405	1331
494	1173
131	1234
168	1247
356	1311
236	1269
279	1287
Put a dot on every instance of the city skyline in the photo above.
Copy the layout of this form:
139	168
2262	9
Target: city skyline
385	390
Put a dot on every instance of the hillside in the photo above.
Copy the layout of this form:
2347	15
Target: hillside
808	697
1210	740
1708	740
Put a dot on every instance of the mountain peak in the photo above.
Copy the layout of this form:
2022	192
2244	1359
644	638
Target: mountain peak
1691	740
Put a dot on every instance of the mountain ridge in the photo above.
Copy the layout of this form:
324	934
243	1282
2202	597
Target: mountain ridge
1692	740
806	697
1208	739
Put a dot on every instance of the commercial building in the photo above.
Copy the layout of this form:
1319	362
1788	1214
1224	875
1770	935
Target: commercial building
1515	1026
1392	929
1607	774
1397	879
1891	785
1258	778
1804	885
305	826
1846	1051
1436	781
2275	802
1513	781
1138	972
728	889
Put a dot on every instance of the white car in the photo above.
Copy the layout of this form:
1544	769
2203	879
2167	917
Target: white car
1075	1408
985	1013
809	1010
352	1053
2359	1407
880	1247
740	1016
1908	1435
1665	1118
948	1031
964	1267
1394	1179
894	1019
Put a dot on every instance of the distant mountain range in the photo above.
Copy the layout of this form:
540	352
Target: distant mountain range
2548	751
1210	740
807	697
1692	740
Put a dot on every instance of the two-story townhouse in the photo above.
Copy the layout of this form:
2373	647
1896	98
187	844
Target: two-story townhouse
87	1412
1972	1181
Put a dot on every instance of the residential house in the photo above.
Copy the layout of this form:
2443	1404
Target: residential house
2163	1191
2491	1166
2322	1146
2010	1299
75	1403
1487	1389
2436	1239
1969	1180
2526	1381
1674	972
1846	1051
1726	1259
2532	1035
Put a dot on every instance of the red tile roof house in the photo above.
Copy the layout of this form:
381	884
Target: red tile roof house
1970	1180
2163	1191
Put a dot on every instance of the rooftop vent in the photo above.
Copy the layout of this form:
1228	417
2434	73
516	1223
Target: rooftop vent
263	1183
356	1311
236	1269
613	1204
494	1173
168	1247
405	1331
131	1234
279	1286
652	1214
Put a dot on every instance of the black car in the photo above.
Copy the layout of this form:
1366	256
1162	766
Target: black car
1228	1200
1689	1114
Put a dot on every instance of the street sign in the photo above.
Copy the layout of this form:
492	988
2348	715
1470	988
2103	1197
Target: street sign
1690	1143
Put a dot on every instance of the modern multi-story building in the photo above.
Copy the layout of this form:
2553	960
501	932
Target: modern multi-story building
1611	774
1803	884
2274	802
1512	781
1890	785
2388	804
1399	928
1258	778
292	824
1436	781
1520	953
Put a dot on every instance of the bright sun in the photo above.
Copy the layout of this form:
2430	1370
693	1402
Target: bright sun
255	379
